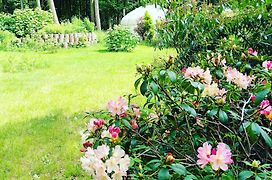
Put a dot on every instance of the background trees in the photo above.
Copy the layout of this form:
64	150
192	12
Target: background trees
111	11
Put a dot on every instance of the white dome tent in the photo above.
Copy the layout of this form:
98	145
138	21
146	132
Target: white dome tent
132	18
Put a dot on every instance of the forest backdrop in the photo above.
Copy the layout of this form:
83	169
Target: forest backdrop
111	11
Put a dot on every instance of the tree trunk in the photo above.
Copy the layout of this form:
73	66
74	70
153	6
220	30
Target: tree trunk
22	4
92	10
97	15
53	10
38	4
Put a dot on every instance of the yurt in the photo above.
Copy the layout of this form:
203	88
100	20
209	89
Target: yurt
132	18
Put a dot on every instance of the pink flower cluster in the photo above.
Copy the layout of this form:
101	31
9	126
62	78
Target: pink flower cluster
267	65
236	77
219	158
266	109
252	52
114	131
196	73
111	133
119	107
95	124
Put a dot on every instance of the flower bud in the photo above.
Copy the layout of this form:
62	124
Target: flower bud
148	68
171	60
87	144
243	56
221	101
139	68
255	163
133	124
169	158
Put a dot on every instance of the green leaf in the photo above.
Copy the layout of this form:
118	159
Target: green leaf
189	109
154	87
153	161
164	174
212	112
172	76
178	168
190	177
260	96
266	138
126	123
245	175
137	82
143	87
162	72
256	128
223	117
257	178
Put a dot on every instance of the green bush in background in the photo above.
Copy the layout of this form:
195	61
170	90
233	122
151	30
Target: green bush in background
121	39
75	26
26	22
6	39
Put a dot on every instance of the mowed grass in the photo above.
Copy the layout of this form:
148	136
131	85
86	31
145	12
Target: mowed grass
41	110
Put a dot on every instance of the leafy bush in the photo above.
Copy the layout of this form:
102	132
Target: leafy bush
209	104
6	39
5	21
75	26
121	39
89	26
195	30
145	28
208	112
35	43
27	21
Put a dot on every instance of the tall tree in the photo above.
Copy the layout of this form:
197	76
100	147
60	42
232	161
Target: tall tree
53	10
38	4
92	10
22	4
97	14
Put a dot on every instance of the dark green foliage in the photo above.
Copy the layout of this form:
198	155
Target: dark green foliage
193	31
121	39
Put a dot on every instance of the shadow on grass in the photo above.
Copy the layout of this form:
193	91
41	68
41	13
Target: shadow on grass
47	147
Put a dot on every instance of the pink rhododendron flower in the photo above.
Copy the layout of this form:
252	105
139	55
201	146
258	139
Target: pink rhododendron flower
239	79
196	73
252	52
117	108
222	158
204	154
267	65
219	158
95	124
266	109
114	131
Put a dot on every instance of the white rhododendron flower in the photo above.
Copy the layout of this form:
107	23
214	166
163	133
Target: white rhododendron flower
102	167
102	151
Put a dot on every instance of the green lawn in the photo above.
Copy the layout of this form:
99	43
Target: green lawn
41	110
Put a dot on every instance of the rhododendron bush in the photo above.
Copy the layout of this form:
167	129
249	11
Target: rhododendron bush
204	121
207	112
